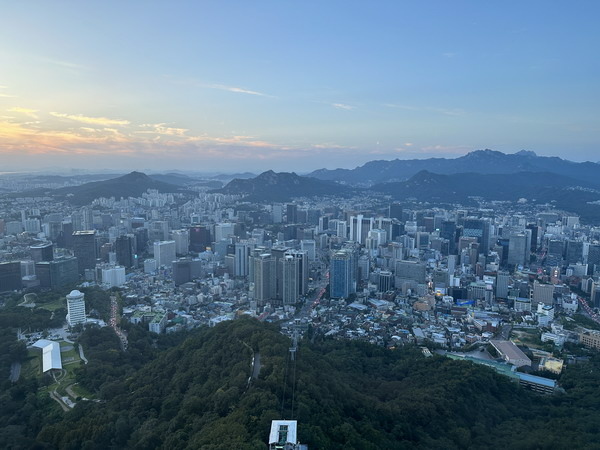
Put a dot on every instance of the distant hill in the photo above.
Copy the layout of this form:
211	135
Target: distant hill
176	179
233	176
283	186
539	187
133	184
480	161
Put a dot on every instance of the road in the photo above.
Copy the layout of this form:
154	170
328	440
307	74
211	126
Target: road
588	310
256	365
314	301
114	308
82	356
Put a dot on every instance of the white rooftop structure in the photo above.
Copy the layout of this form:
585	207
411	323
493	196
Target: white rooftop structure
50	354
283	434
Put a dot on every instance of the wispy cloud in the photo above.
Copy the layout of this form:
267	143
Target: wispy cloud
343	106
27	111
448	54
237	90
4	94
104	121
162	129
65	64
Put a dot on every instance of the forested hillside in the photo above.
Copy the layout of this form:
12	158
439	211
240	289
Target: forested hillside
347	395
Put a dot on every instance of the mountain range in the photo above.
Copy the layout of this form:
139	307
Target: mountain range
480	161
133	184
282	186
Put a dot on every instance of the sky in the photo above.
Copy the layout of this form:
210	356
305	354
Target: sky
235	86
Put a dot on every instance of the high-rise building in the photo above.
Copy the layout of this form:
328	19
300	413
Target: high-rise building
182	241
164	253
480	229
290	279
395	211
502	283
60	272
265	278
200	238
448	231
32	225
384	281
84	249
113	276
75	308
342	282
554	254
42	252
310	247
186	270
542	293
341	230
125	251
224	231
277	213
534	236
360	227
240	264
574	252
10	276
291	215
593	259
410	271
517	250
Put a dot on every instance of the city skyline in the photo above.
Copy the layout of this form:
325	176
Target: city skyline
295	87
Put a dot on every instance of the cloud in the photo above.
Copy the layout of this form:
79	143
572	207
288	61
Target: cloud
3	95
91	120
65	64
449	54
238	90
343	106
161	129
27	111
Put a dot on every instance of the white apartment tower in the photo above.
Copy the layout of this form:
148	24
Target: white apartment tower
75	308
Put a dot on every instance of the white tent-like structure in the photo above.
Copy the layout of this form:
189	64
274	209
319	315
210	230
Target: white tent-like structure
50	354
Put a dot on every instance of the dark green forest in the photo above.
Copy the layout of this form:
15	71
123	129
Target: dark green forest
174	394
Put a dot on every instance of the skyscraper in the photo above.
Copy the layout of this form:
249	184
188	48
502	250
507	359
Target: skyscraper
164	253
480	229
341	275
593	258
182	241
59	272
574	252
84	249
10	276
242	253
290	281
291	213
517	250
125	250
448	231
264	278
395	211
199	238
